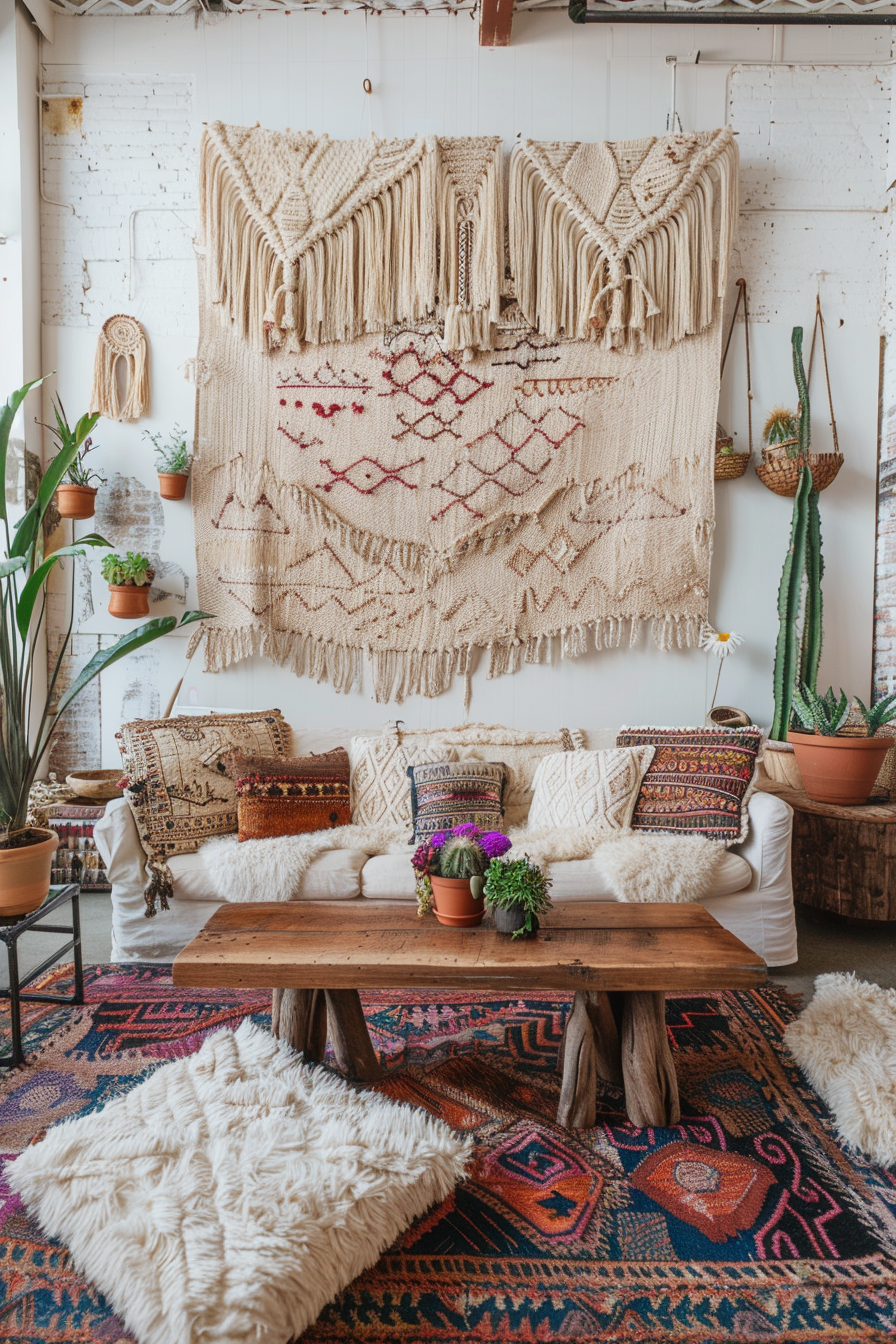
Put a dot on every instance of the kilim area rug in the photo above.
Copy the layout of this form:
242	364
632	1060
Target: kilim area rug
746	1222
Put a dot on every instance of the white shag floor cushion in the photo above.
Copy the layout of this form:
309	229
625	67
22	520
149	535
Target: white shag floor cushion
234	1193
845	1044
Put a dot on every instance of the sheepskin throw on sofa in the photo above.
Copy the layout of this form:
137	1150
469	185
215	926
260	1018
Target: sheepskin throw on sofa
404	456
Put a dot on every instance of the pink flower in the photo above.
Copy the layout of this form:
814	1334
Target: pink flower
494	844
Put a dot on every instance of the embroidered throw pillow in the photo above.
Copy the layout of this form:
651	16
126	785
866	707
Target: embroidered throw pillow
311	795
454	793
597	789
699	781
176	784
519	749
381	792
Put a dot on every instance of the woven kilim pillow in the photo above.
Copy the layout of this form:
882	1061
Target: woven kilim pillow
177	787
699	781
597	789
312	794
454	793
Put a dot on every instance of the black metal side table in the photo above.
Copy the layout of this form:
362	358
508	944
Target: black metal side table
11	930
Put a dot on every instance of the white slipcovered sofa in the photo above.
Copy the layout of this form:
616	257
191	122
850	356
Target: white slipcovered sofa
752	897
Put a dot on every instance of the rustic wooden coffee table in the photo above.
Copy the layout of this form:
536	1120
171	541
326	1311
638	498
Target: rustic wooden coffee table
618	960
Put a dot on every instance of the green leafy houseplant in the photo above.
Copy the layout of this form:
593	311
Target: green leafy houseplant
77	437
130	569
827	714
518	885
29	716
172	456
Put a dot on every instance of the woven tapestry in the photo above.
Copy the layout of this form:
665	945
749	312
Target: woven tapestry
473	465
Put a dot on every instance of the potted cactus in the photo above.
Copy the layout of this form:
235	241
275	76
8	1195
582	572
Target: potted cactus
516	894
780	434
173	462
450	868
76	492
129	578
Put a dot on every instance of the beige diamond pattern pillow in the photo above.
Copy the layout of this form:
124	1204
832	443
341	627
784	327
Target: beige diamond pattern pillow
380	788
596	789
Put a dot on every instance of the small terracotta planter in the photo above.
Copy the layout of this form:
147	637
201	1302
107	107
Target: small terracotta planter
172	485
25	873
76	501
454	903
839	769
128	600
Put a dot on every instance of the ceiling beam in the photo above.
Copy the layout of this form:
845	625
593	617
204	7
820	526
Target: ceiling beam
495	20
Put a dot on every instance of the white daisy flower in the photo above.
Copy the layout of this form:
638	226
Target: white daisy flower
720	642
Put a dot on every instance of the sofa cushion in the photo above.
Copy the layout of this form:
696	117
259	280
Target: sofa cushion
456	793
332	876
390	877
381	790
311	794
597	789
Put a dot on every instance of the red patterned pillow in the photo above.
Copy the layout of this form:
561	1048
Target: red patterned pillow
698	782
310	794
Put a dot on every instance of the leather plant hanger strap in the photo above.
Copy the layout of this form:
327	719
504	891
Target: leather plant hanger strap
742	299
819	326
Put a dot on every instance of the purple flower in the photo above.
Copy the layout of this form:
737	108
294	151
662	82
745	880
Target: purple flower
494	844
437	841
468	828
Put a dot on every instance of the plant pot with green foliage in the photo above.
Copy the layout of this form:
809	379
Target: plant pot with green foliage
516	894
449	869
29	715
839	762
173	462
129	578
76	493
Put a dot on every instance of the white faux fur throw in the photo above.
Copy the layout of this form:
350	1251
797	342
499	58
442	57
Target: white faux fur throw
638	867
845	1044
231	1195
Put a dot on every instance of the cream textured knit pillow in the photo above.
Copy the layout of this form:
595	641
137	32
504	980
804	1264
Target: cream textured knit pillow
597	789
380	788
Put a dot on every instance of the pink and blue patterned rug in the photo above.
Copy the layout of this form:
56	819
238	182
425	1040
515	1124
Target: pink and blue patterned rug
745	1222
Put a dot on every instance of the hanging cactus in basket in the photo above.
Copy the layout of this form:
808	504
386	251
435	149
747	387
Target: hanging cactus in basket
797	660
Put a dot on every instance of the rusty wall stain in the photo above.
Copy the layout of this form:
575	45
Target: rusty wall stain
62	116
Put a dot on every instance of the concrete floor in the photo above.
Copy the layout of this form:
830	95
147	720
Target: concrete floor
826	944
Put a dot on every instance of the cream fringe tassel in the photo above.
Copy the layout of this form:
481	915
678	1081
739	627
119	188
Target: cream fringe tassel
375	269
658	284
122	337
398	674
471	251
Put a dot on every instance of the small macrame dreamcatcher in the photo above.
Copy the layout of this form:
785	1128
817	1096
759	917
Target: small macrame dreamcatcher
122	337
730	464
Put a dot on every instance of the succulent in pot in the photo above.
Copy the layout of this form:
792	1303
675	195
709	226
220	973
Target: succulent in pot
450	868
129	578
76	492
516	893
839	761
173	462
30	715
780	433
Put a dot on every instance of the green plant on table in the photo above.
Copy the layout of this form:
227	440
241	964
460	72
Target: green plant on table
75	439
518	884
129	569
173	458
30	714
824	714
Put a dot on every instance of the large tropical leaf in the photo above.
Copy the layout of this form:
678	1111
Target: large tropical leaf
29	594
7	416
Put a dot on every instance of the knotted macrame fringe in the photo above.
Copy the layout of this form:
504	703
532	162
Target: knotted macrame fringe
122	337
470	216
658	284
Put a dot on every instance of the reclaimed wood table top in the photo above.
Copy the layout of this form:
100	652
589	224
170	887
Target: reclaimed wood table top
582	945
881	813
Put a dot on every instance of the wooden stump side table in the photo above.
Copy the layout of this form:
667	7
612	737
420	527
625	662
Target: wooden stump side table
844	858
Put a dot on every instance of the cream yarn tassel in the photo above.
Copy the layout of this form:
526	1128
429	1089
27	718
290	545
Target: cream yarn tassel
122	337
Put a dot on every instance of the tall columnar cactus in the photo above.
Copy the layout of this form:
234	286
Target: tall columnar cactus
798	660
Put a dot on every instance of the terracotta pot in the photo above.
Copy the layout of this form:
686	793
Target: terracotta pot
172	485
454	903
128	600
508	920
839	769
25	873
76	501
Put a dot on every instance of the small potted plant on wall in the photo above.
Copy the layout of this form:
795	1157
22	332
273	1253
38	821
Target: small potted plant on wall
129	577
173	463
29	716
76	492
450	868
516	894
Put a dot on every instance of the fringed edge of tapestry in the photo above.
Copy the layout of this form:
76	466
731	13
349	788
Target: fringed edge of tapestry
470	215
650	288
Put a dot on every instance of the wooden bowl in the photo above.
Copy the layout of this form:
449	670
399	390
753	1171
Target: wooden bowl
99	785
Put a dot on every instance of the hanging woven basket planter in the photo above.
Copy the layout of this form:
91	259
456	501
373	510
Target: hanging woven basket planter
729	464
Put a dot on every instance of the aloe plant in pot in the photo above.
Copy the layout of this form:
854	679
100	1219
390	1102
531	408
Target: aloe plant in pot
29	716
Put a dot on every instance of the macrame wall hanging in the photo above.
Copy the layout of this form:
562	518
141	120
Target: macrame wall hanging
405	457
121	337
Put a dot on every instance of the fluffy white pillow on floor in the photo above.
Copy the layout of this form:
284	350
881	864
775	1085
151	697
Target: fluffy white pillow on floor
234	1193
596	789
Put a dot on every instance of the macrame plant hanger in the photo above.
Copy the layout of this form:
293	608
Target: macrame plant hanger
122	337
780	472
729	464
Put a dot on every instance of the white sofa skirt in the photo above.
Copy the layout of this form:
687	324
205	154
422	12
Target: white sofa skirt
753	896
